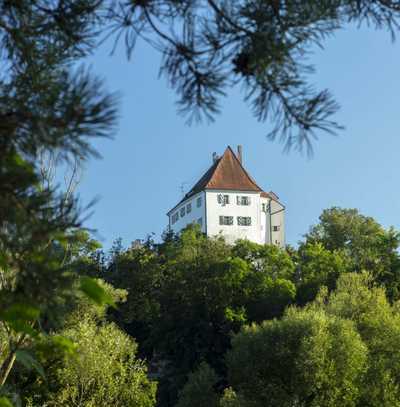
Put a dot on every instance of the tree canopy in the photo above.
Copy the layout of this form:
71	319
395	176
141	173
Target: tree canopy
46	106
219	324
341	349
364	243
189	295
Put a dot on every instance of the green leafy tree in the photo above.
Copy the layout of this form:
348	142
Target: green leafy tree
317	267
104	370
199	391
231	399
201	300
271	281
366	245
308	359
378	323
89	362
187	294
139	270
45	106
267	259
341	349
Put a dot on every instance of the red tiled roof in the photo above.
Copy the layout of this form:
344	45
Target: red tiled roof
273	195
226	173
270	195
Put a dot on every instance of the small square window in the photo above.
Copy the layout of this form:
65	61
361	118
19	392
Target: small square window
276	228
199	201
189	208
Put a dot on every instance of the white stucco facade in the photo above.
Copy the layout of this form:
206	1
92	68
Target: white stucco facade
233	231
244	212
272	225
195	215
267	216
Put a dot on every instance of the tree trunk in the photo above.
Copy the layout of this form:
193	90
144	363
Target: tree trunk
6	367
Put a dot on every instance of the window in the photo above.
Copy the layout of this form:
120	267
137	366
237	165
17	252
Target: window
276	228
200	222
266	207
182	211
175	217
226	220
189	207
198	201
223	199
244	220
243	200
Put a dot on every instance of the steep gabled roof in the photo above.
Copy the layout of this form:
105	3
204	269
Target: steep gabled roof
227	173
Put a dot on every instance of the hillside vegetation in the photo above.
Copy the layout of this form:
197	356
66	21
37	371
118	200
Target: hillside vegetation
193	321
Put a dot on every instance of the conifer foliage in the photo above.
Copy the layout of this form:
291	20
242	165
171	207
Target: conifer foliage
208	46
45	106
50	105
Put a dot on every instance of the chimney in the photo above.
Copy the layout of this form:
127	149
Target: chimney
214	157
239	154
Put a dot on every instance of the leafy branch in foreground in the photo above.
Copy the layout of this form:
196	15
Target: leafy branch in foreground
210	45
45	106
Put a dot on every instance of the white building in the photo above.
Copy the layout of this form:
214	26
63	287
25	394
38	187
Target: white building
226	200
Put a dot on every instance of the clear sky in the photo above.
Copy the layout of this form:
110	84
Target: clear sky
154	154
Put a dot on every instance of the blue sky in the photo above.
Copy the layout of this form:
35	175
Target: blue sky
154	153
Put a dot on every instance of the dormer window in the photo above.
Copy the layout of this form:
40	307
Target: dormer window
243	200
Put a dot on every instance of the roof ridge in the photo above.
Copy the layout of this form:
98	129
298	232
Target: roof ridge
225	173
244	169
220	161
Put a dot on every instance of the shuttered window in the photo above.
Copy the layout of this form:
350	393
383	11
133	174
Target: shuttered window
243	200
244	221
226	220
